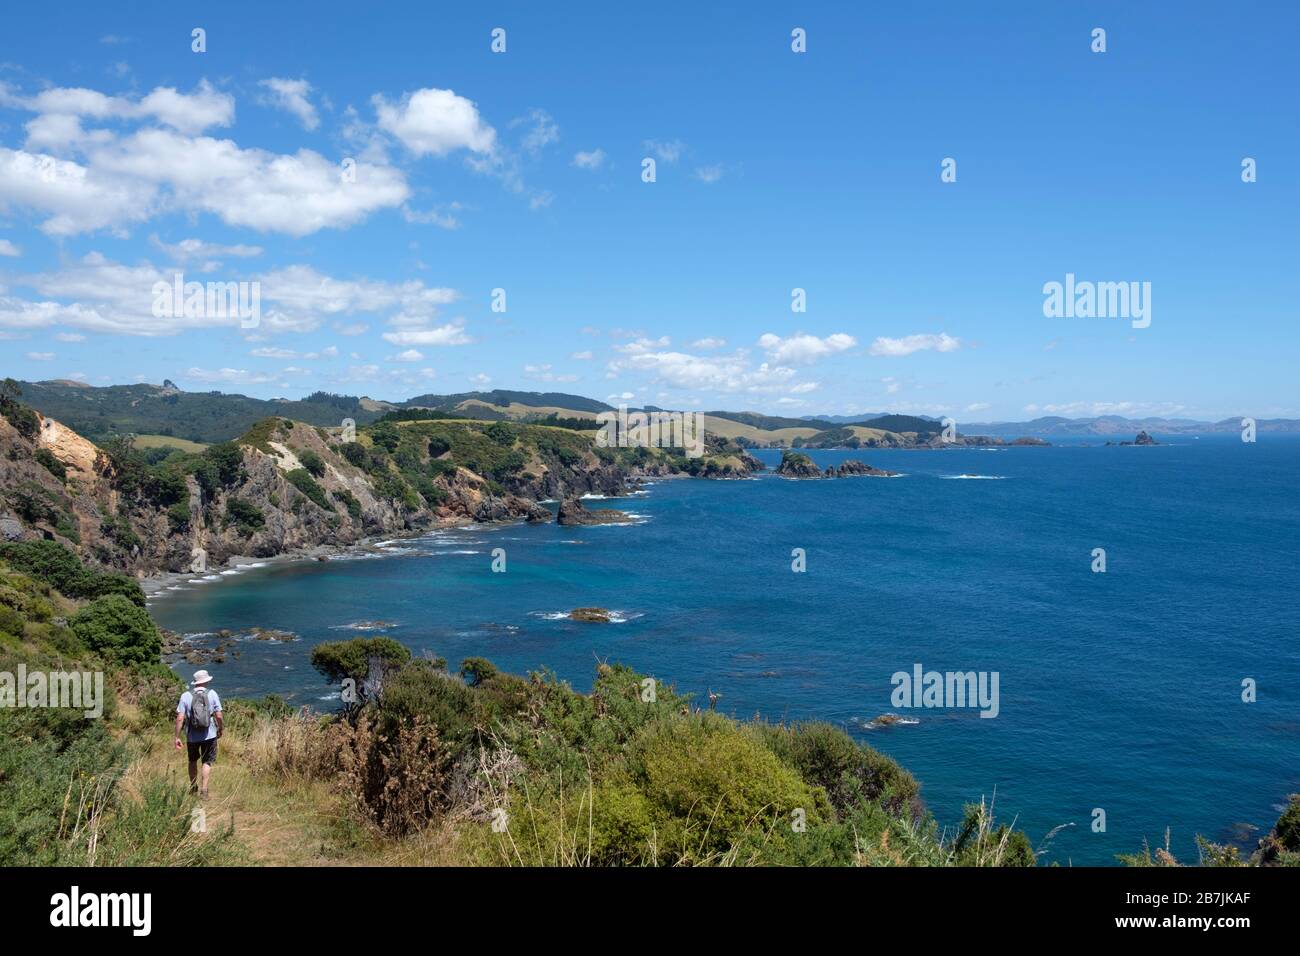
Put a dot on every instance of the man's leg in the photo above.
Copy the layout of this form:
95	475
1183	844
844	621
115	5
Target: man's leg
203	787
194	772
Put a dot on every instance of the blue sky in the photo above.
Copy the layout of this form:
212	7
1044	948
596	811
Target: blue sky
126	157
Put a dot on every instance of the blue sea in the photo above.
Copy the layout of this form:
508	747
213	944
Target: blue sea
1119	691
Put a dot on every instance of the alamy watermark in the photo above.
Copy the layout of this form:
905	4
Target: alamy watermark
197	300
73	690
1100	300
624	429
922	688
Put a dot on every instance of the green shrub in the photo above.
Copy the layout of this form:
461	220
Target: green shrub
178	517
825	756
1288	825
53	564
46	458
245	515
304	482
354	452
121	631
312	462
349	502
713	785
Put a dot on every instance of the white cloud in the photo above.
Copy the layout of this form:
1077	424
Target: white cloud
729	373
435	216
184	112
542	133
543	373
7	248
131	179
40	356
708	343
943	342
70	337
188	250
805	349
293	97
666	152
434	122
1092	409
410	355
106	296
709	174
644	344
231	376
451	334
589	160
583	356
480	379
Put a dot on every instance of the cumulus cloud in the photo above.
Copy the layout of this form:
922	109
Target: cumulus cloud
434	122
184	112
7	248
943	342
292	96
131	179
106	178
805	349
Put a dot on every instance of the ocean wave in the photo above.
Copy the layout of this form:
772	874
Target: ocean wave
974	477
364	626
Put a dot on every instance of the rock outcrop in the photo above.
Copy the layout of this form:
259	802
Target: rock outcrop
1142	439
573	512
853	467
798	465
590	615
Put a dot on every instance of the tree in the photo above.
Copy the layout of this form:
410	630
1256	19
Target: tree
341	660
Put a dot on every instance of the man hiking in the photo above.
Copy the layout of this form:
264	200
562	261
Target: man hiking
200	712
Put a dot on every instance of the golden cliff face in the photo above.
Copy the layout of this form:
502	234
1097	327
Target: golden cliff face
80	456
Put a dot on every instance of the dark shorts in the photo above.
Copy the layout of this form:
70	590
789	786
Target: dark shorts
205	748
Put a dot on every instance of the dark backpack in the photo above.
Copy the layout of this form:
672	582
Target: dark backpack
200	716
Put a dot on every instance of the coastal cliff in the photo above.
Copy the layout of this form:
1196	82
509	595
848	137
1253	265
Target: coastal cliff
286	487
